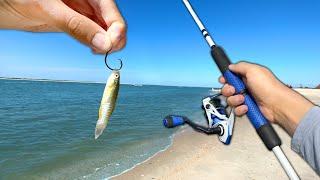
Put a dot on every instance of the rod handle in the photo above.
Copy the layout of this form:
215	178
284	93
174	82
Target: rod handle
257	119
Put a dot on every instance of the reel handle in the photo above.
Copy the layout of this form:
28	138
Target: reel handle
173	121
266	132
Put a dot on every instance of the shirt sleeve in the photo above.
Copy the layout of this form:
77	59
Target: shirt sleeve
306	139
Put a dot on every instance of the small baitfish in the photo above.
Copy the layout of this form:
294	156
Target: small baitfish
108	102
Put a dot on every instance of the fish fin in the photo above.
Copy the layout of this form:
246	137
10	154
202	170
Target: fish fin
99	128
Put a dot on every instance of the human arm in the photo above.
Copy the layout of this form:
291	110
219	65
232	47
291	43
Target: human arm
278	103
306	139
281	105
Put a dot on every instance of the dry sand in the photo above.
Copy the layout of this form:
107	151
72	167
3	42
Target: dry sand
198	156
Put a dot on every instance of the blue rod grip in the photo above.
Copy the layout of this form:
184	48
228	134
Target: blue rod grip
254	114
266	132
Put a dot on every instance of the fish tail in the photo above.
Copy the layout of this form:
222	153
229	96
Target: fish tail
99	128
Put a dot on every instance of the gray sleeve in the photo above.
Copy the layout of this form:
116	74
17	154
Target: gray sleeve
306	138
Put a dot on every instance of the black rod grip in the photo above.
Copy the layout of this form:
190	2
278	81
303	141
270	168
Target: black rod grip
220	58
269	136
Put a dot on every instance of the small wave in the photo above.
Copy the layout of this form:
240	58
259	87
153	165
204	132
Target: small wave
181	129
171	137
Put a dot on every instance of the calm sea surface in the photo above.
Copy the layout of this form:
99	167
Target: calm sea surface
47	128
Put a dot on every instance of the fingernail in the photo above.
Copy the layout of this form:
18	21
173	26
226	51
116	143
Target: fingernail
101	42
231	66
241	99
115	33
245	108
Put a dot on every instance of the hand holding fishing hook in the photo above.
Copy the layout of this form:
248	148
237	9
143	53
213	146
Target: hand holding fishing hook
105	61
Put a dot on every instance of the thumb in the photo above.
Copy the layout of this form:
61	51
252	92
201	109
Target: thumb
241	68
81	28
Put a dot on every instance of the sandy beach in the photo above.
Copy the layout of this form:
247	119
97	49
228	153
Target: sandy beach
197	156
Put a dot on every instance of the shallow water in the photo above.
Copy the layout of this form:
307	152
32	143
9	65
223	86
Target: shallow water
47	128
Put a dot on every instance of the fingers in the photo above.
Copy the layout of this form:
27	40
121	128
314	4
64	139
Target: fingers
116	24
222	80
117	33
241	68
235	100
227	90
80	27
108	10
241	110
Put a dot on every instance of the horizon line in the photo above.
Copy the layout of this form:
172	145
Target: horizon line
93	82
132	84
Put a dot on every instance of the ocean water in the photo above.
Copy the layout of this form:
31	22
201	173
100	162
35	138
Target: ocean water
47	128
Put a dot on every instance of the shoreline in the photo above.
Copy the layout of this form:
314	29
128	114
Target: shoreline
149	158
193	155
175	137
172	138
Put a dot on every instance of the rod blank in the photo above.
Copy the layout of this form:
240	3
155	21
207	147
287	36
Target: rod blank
276	150
285	163
199	23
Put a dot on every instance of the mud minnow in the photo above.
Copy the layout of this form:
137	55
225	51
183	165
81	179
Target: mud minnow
108	102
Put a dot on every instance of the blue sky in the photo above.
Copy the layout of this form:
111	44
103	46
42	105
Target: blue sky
165	46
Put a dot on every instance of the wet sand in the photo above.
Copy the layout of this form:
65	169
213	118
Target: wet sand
198	156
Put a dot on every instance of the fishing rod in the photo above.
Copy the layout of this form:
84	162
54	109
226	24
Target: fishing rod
264	129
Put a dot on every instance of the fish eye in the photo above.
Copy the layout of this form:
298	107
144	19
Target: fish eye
117	75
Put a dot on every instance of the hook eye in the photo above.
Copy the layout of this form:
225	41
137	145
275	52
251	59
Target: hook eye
106	62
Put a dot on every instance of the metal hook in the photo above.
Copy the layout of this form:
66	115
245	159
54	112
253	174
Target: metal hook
105	61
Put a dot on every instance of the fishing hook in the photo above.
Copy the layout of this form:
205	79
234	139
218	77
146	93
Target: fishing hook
105	61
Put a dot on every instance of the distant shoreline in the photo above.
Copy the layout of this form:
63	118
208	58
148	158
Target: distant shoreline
137	85
47	80
90	82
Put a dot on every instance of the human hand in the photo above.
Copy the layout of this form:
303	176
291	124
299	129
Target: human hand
96	23
278	103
